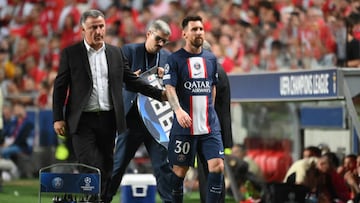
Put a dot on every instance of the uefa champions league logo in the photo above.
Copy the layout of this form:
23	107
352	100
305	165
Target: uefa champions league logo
166	68
87	184
57	183
87	181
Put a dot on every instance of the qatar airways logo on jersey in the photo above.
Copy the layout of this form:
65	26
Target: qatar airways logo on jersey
198	86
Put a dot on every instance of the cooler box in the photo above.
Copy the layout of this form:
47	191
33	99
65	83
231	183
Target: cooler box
138	188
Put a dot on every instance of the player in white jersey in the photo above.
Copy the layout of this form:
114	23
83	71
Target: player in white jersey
190	79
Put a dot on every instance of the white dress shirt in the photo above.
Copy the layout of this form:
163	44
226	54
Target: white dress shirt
100	96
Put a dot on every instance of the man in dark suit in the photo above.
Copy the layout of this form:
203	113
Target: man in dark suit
20	141
142	57
87	98
222	108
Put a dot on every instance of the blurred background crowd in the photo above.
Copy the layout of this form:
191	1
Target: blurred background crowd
246	36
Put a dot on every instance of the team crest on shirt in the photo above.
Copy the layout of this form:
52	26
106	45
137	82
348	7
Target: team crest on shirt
197	66
197	69
181	158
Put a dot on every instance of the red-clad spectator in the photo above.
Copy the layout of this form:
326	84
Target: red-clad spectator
315	29
46	18
102	5
193	6
70	8
231	12
251	16
112	16
21	51
21	12
71	32
280	6
33	18
337	190
42	99
32	70
348	164
226	62
53	9
129	25
145	18
35	34
175	15
241	54
52	57
206	20
159	8
348	170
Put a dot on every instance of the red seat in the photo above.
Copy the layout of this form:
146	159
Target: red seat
272	156
277	164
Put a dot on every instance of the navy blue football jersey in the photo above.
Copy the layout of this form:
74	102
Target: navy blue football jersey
193	76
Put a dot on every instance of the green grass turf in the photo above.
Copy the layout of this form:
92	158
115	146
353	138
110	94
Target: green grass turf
27	191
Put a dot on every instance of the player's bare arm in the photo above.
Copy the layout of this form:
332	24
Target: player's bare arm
182	117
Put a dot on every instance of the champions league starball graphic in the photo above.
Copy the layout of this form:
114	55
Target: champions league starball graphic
157	116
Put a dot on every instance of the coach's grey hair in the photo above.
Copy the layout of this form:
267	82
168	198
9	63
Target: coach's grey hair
90	13
161	26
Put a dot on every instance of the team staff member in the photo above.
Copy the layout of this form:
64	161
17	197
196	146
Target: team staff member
89	87
190	79
142	57
222	108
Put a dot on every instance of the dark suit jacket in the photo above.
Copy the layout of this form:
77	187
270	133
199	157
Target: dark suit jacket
222	106
74	78
135	53
25	135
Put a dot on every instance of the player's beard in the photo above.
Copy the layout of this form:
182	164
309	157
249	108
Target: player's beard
198	42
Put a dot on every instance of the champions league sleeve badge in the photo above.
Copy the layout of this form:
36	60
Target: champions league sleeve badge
157	116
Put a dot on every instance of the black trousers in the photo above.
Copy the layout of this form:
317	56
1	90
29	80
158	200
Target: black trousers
94	142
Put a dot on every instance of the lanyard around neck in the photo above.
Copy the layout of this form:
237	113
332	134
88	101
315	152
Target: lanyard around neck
147	61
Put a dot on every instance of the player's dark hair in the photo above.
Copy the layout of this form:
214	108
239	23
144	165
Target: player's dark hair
187	19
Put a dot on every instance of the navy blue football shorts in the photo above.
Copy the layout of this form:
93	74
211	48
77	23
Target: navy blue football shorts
182	149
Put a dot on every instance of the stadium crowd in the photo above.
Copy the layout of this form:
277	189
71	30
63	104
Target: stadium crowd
246	35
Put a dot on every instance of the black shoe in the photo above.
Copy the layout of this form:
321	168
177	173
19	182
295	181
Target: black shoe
93	199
